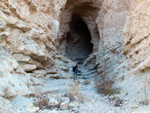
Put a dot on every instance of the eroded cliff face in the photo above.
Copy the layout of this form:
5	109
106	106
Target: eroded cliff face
30	29
40	38
28	33
110	21
136	49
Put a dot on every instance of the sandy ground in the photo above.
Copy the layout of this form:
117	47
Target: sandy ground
93	102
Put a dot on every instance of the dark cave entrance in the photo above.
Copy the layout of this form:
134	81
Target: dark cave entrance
79	45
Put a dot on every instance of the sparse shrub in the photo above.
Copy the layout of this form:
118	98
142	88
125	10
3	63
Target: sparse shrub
71	97
28	83
42	100
6	92
145	101
73	90
118	102
86	82
105	87
74	94
103	84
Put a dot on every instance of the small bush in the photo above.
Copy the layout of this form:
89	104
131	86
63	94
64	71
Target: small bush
118	102
105	87
6	92
86	82
103	84
144	102
42	101
74	93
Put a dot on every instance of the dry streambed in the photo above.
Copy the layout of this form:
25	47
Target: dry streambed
67	96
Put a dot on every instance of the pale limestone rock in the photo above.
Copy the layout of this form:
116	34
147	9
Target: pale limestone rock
52	71
22	101
14	65
20	71
28	67
23	93
2	24
65	99
54	76
26	59
36	75
73	105
9	107
28	22
32	109
55	24
22	58
64	105
35	34
65	102
3	36
2	93
53	102
40	72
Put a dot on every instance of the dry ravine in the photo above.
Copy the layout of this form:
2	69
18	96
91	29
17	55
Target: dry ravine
40	42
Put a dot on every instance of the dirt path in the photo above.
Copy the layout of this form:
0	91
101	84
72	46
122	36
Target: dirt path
93	102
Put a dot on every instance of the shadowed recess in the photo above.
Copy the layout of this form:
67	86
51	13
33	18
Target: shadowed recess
78	40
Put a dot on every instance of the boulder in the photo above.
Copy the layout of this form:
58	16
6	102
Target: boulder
22	101
22	58
3	36
28	67
32	109
64	105
53	102
2	24
54	76
23	93
73	105
40	72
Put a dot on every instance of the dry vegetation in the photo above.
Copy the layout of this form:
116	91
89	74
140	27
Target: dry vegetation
42	100
86	82
104	85
145	100
74	94
6	92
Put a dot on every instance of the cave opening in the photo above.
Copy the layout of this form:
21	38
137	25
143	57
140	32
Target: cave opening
79	45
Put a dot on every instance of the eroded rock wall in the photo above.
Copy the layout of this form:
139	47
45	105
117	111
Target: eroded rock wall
111	20
124	43
135	67
28	32
30	29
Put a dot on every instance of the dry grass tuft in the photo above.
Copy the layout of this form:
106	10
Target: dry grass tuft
104	88
74	94
145	101
42	100
104	85
6	92
86	82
